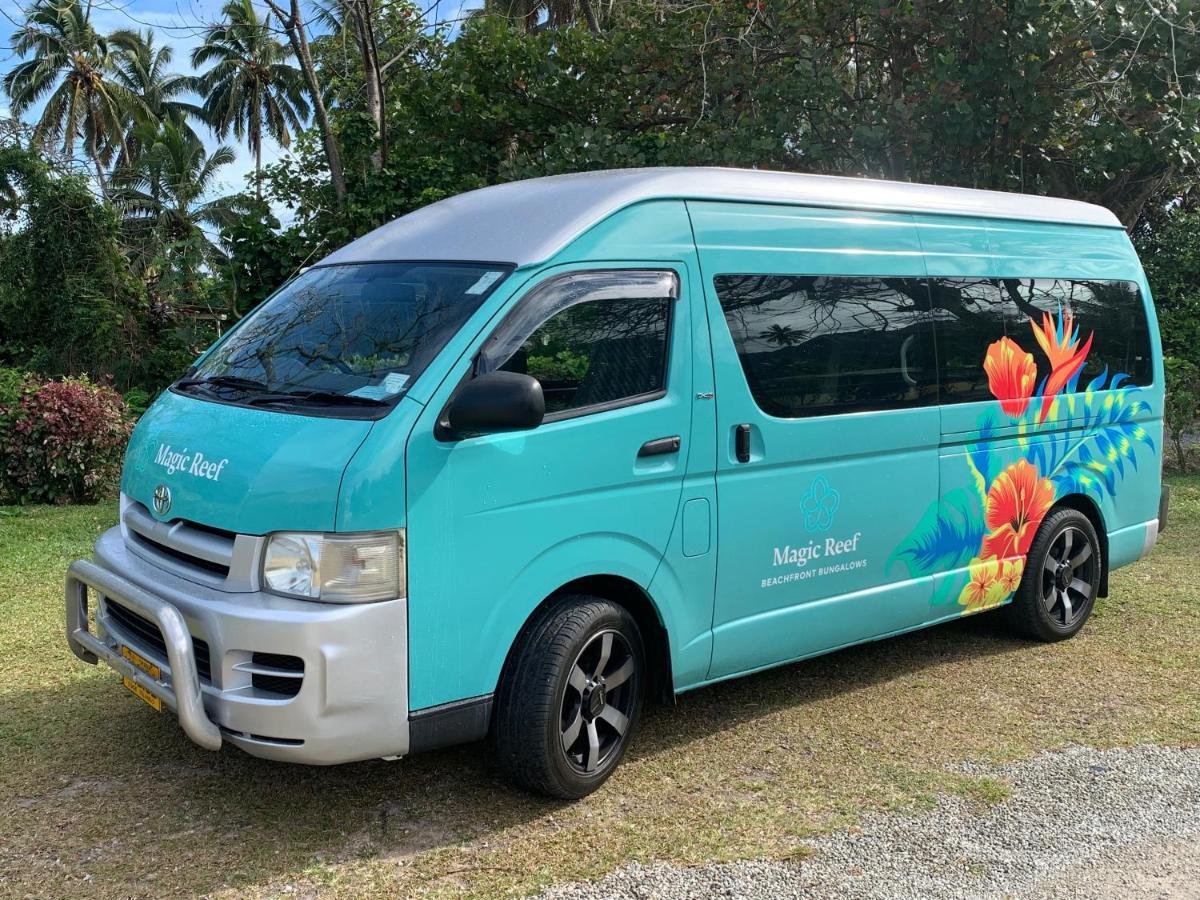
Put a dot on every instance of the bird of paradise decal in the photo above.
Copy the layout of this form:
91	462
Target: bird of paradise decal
1068	441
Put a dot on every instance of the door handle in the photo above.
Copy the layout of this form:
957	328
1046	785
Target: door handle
659	446
741	443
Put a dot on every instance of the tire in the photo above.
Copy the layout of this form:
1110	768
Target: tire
1061	580
563	719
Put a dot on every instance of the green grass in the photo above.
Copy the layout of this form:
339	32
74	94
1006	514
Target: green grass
101	796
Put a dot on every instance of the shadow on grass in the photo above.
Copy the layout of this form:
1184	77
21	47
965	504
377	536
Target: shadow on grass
238	820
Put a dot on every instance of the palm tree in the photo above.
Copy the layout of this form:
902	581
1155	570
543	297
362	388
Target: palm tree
72	63
163	193
250	89
528	13
140	68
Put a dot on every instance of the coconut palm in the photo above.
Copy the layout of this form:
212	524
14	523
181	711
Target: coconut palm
529	13
70	67
141	69
251	89
164	193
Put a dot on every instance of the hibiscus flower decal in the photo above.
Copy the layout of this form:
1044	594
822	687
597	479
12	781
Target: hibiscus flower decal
986	588
820	505
1011	374
1017	502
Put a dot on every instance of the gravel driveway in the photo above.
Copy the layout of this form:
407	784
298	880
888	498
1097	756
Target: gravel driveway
1080	823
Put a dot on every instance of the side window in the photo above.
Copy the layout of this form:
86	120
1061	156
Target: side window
591	338
1104	322
815	346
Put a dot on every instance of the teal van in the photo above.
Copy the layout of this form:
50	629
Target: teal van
518	462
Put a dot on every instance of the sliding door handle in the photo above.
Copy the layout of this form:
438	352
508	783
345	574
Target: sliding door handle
741	443
659	446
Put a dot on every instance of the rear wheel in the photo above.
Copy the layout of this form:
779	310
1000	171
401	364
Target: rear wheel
571	697
1062	578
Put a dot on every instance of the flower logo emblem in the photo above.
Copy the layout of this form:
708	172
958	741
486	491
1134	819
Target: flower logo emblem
820	505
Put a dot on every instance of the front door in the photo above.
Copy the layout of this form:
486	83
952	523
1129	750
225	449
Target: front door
827	429
497	522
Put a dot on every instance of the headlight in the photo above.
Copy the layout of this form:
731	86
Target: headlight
336	568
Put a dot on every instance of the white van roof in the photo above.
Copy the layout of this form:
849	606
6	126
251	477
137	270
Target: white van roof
525	222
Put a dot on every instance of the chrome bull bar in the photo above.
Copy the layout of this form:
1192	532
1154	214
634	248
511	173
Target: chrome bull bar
183	694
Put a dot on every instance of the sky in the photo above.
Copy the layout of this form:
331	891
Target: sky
179	24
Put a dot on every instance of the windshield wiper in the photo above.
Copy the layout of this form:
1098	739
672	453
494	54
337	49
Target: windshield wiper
329	398
229	381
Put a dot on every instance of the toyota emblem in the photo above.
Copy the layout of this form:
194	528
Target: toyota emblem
162	500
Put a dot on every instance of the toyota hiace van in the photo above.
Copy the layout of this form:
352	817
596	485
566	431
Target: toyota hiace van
522	460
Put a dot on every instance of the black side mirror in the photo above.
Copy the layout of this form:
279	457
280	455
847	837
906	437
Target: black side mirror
497	401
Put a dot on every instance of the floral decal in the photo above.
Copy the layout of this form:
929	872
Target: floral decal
820	505
1011	374
1059	338
1016	503
1069	441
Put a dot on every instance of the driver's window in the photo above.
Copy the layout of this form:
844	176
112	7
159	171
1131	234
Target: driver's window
591	338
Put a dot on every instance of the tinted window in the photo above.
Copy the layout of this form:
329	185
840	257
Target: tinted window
589	338
970	314
813	346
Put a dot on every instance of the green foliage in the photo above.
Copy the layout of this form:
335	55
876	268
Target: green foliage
13	384
1183	409
67	301
62	442
561	366
1169	245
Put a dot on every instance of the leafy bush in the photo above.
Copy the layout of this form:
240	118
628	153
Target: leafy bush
137	400
62	442
1183	409
13	383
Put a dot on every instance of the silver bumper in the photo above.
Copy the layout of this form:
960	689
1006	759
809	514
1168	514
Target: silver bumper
183	693
352	703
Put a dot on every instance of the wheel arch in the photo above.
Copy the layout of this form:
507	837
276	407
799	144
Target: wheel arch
1087	506
633	598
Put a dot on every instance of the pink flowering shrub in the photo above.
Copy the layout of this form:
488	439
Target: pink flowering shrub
62	442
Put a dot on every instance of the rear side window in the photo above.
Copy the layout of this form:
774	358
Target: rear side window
971	313
593	339
822	345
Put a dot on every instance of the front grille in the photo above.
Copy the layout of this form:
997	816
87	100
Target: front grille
200	549
180	556
278	684
146	632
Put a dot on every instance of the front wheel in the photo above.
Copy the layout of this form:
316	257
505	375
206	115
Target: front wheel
1062	578
571	697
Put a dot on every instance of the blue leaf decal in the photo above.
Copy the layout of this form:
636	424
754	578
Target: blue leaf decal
947	537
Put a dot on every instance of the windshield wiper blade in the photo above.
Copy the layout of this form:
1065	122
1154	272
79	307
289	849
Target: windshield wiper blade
332	398
229	381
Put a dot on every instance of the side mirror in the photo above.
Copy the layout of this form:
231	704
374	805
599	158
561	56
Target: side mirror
497	401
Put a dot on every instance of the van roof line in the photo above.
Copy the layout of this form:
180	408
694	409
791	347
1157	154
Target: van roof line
526	222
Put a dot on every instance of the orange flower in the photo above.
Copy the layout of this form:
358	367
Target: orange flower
1059	340
986	587
1011	375
1010	575
1016	504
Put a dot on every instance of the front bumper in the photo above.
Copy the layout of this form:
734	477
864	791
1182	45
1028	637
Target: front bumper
352	703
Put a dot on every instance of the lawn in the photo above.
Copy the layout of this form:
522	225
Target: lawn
99	795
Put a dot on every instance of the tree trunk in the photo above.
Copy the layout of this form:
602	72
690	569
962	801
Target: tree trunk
293	24
94	153
589	15
360	11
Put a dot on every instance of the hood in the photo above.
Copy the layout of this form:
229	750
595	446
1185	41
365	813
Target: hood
240	469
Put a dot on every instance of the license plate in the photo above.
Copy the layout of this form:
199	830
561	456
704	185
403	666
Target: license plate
141	662
142	694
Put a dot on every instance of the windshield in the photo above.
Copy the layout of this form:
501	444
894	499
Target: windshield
344	336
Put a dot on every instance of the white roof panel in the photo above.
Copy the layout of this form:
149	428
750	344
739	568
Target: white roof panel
524	222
